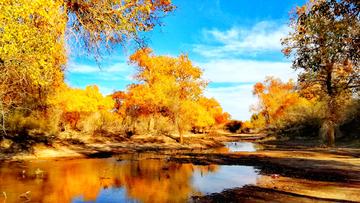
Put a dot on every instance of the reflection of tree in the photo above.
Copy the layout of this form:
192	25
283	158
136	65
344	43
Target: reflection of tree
60	183
147	180
158	181
221	150
204	170
258	147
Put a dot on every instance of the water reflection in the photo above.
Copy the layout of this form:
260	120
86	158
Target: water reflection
128	178
243	147
226	177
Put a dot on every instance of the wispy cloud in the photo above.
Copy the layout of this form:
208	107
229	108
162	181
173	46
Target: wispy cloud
118	67
245	71
83	69
262	37
118	71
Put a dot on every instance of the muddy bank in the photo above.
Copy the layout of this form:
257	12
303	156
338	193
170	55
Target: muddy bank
292	171
84	146
261	195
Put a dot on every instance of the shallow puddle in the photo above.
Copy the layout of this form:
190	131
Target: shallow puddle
126	178
243	147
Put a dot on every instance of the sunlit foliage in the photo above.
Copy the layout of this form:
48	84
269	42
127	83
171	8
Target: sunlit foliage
76	103
32	54
88	100
171	88
275	100
34	38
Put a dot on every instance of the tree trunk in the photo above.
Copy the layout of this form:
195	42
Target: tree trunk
327	133
178	124
331	135
151	124
181	134
330	131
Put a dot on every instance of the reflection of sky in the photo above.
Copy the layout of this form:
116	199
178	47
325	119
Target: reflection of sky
202	179
109	195
241	147
225	177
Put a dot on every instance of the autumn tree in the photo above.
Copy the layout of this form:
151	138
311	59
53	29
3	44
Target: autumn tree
325	44
245	126
103	24
275	98
214	110
34	37
171	83
32	54
75	102
118	97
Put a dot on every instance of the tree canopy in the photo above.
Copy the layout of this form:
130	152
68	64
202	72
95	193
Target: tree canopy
35	37
325	43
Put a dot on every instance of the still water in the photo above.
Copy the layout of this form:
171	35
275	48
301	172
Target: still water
242	147
123	178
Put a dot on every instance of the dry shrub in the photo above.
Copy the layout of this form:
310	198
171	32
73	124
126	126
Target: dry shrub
111	121
141	126
156	125
6	143
33	121
163	126
299	121
98	121
89	122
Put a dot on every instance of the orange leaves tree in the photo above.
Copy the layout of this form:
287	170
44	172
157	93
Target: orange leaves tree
275	99
35	36
76	102
213	113
167	85
325	43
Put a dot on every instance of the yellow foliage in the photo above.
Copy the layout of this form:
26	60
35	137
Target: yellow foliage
78	100
275	101
79	104
33	40
32	53
247	124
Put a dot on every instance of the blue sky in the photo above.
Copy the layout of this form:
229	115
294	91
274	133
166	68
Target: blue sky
235	42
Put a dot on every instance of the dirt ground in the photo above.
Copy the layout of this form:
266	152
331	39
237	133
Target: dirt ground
291	170
84	146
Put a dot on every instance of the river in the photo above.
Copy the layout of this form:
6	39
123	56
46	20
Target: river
140	177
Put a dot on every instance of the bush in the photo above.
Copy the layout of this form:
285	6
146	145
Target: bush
233	126
26	121
350	125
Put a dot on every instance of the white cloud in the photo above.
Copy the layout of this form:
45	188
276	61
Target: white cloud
116	72
118	67
262	37
237	100
245	71
83	69
234	100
